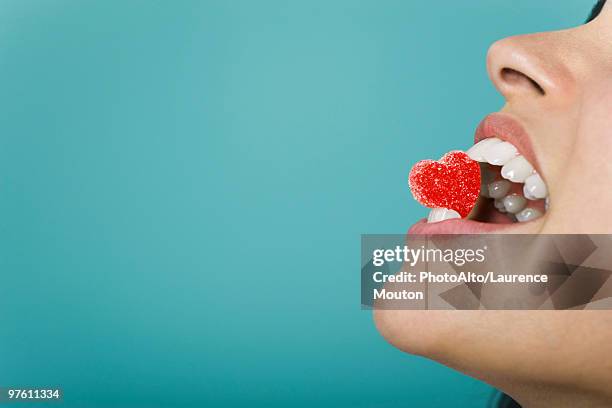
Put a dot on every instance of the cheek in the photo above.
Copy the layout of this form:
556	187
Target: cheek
579	149
593	144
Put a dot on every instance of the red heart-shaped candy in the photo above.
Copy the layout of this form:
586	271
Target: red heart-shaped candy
453	182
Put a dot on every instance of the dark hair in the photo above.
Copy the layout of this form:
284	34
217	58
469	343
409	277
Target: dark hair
506	401
596	10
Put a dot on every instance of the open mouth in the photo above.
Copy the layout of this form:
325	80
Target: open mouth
512	192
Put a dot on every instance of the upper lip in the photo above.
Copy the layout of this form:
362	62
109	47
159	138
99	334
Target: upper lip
505	127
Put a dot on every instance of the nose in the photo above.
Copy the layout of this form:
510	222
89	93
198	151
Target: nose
529	68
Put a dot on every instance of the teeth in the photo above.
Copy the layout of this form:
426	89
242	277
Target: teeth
528	214
514	203
534	187
441	214
476	152
499	154
499	188
517	169
547	203
499	204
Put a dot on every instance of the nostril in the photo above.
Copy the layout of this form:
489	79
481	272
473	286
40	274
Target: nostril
517	78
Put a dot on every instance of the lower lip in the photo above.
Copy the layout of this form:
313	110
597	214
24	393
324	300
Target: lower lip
457	226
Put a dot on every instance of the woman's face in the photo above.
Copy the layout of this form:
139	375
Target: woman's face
558	87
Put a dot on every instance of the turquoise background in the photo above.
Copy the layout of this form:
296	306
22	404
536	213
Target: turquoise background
183	185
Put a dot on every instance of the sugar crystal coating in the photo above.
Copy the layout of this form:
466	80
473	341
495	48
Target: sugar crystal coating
453	182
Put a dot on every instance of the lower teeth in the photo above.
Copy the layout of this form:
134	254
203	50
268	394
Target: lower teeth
518	206
441	214
528	214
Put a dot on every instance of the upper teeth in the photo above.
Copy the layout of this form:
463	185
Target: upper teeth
534	187
515	168
499	154
476	152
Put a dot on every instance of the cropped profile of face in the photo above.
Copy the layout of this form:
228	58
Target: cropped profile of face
549	159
